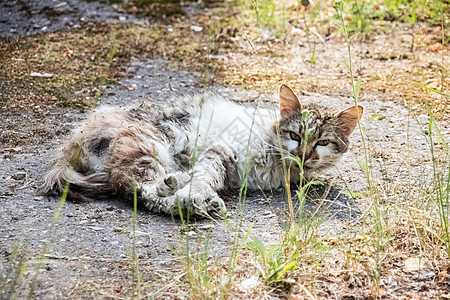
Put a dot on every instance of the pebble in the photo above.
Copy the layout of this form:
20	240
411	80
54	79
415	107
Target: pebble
191	233
119	229
19	176
206	227
138	233
96	228
196	28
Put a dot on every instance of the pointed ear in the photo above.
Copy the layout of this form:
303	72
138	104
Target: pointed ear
349	118
289	103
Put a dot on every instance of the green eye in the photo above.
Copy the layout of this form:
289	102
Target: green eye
322	142
294	136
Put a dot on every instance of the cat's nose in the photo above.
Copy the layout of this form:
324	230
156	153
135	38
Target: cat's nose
307	155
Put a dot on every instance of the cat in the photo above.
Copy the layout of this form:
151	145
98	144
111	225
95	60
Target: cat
179	154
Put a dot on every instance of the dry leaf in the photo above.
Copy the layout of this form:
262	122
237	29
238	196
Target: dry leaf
436	47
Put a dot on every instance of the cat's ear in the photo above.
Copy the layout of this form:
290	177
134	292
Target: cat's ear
349	118
289	103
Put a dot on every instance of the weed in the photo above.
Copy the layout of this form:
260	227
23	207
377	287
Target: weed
441	181
14	273
270	19
378	210
134	261
271	262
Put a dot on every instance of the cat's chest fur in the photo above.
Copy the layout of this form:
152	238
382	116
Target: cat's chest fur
245	130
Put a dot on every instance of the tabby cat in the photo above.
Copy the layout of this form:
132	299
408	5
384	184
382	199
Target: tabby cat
181	153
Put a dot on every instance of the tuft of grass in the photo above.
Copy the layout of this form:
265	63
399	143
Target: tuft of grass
272	262
269	15
134	260
441	180
12	276
46	247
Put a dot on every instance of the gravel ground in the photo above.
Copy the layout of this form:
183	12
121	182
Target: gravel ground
90	244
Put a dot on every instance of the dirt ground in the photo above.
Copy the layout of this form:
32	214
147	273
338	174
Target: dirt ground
88	255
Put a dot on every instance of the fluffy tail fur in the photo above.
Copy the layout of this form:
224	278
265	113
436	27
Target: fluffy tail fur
73	166
81	186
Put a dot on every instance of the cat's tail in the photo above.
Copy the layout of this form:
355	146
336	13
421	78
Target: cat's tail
83	186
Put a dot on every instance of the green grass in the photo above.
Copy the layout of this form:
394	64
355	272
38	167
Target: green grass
14	285
133	258
14	272
441	179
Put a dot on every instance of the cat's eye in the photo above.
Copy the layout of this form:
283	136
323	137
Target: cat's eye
294	136
322	142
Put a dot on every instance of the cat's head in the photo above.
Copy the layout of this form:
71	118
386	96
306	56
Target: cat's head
316	133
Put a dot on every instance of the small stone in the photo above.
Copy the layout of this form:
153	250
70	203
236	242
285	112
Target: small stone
109	208
250	283
196	28
206	227
138	233
69	215
96	228
119	229
19	176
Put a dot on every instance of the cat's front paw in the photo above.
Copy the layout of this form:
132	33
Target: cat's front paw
169	185
198	202
214	204
164	197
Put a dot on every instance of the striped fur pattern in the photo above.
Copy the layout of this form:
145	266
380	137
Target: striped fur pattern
181	153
